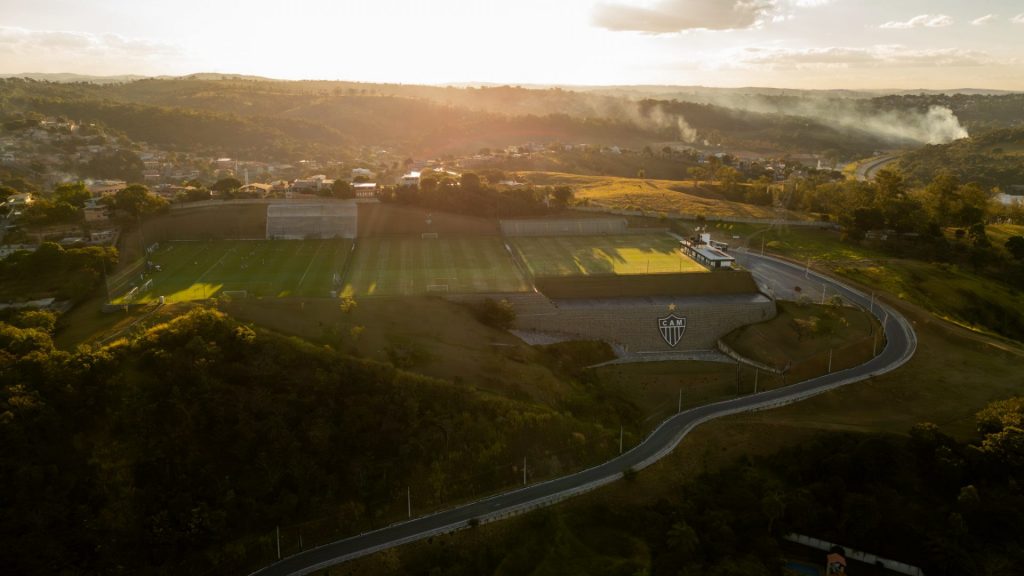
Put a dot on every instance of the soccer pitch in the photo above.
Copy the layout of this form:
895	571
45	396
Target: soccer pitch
262	268
398	266
585	255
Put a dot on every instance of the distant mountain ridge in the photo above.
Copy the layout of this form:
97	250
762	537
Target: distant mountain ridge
647	90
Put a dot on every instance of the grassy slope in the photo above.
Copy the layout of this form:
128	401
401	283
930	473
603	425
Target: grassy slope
780	340
954	374
948	291
439	339
655	196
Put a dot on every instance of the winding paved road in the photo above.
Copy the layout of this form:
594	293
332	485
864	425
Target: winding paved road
900	345
867	171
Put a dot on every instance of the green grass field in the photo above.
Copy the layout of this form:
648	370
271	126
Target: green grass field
263	268
584	255
399	266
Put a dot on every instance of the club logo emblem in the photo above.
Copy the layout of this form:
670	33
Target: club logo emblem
672	328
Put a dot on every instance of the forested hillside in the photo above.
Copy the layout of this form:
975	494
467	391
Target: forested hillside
171	452
948	507
259	118
993	159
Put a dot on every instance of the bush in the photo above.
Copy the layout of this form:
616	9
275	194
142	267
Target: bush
498	314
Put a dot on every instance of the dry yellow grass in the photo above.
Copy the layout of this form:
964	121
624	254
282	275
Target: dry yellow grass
669	197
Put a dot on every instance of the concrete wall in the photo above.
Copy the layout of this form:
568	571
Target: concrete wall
633	323
613	286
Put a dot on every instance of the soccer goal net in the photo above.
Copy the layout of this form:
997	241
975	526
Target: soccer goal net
429	236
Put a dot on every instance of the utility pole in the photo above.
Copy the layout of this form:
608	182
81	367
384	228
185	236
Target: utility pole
807	269
278	541
872	302
524	470
620	439
757	372
408	501
680	408
763	236
829	360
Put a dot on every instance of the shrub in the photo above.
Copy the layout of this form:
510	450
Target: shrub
498	314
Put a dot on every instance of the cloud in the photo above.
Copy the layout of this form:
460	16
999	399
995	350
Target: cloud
884	56
668	16
923	20
56	43
983	20
1018	19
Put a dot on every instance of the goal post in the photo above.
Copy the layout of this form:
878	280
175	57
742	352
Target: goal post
428	236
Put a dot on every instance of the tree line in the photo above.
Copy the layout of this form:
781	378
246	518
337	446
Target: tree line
470	194
175	450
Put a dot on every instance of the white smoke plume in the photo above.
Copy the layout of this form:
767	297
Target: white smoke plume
936	126
659	119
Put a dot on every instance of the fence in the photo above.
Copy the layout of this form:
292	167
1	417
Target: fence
131	276
565	227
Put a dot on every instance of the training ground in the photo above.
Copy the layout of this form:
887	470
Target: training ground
446	254
196	270
573	278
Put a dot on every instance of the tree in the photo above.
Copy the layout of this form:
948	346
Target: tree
561	195
44	211
226	185
470	182
342	189
120	164
728	179
74	194
137	200
1015	245
498	314
696	173
940	195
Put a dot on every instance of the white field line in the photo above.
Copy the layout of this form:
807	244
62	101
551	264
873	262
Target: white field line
310	265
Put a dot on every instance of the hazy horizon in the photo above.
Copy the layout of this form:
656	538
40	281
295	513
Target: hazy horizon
74	76
784	44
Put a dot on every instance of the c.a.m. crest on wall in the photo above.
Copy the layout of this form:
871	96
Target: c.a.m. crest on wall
672	327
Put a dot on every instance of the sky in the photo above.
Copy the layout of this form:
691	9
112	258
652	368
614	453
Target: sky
807	44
